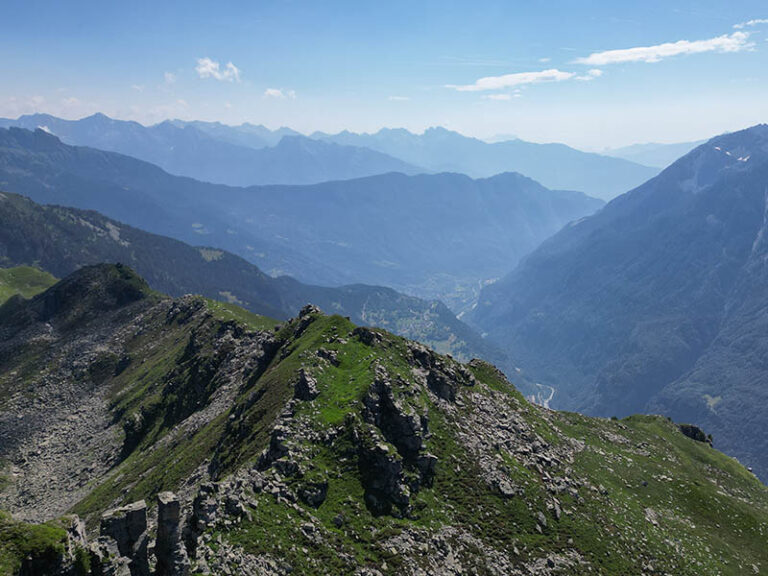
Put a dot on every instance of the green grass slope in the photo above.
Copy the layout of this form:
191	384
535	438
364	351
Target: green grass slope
24	280
399	459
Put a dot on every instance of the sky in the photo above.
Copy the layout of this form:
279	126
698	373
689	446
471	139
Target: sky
592	74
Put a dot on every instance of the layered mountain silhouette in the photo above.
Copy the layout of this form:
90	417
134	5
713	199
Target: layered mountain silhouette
435	236
238	156
61	240
554	165
249	155
657	302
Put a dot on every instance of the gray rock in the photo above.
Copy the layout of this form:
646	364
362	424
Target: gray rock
127	526
172	559
306	387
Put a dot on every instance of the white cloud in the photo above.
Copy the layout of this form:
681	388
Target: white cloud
169	78
501	97
511	80
399	98
207	68
736	42
72	101
544	60
590	75
280	94
751	23
138	87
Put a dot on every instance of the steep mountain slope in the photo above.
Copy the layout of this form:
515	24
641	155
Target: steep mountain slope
653	154
61	240
437	236
200	152
554	165
657	302
328	449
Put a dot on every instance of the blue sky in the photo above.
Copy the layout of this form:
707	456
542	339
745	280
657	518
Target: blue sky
591	74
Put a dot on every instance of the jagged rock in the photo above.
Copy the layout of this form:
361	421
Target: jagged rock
127	526
105	559
172	559
331	355
306	387
367	336
277	448
401	427
205	507
695	433
382	471
314	493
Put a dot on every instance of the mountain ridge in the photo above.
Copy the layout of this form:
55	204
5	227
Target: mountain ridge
186	149
555	165
61	240
372	450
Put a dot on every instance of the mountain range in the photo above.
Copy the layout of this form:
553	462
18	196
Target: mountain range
249	155
657	303
556	166
148	435
60	240
201	151
434	236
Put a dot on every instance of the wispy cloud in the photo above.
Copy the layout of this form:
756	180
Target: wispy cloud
736	42
398	98
751	23
207	68
137	87
280	94
512	80
500	97
169	78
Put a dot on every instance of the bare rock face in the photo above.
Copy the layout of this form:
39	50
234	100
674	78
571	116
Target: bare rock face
127	526
442	377
306	387
393	421
172	559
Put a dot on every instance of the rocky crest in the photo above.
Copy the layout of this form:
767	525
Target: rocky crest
317	447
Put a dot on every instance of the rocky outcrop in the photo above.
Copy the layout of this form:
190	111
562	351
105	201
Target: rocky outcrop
171	555
695	433
392	421
127	526
442	375
306	387
386	491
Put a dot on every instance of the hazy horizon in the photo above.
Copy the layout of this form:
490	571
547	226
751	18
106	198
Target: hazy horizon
688	71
